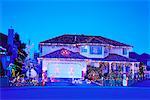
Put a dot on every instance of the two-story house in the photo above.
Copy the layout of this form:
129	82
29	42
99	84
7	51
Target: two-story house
68	56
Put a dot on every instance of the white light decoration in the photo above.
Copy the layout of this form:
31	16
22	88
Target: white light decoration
71	71
57	71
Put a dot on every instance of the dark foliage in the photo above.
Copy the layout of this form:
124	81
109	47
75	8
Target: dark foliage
1	69
21	53
141	70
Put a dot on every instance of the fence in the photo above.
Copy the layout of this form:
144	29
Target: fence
6	82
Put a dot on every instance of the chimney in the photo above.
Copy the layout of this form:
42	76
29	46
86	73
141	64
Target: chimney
10	40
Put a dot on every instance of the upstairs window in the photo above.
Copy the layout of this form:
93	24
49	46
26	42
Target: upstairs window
124	51
106	50
53	46
84	49
96	50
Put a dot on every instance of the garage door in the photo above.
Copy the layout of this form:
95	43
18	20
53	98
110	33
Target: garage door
63	70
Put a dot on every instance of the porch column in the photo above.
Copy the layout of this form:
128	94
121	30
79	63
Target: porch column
110	67
124	68
132	67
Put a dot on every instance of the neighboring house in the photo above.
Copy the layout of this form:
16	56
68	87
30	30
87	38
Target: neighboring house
145	58
7	48
4	58
68	56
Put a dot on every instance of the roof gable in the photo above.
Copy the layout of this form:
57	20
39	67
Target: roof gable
64	53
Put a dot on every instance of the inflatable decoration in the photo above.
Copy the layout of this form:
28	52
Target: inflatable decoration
31	74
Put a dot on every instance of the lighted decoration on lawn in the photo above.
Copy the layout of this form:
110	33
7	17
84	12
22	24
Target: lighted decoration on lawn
31	74
11	70
125	80
44	78
28	61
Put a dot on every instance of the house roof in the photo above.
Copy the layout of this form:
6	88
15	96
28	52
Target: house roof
116	57
64	53
134	55
73	39
141	58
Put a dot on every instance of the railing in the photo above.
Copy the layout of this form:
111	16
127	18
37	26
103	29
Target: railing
130	82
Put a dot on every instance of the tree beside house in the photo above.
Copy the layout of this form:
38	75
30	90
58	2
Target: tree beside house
15	53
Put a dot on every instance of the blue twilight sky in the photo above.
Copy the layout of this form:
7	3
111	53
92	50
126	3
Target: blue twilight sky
122	20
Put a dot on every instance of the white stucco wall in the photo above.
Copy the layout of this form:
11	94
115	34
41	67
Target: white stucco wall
49	49
119	51
116	50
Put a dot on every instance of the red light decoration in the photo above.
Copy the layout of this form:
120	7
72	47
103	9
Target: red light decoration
65	53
